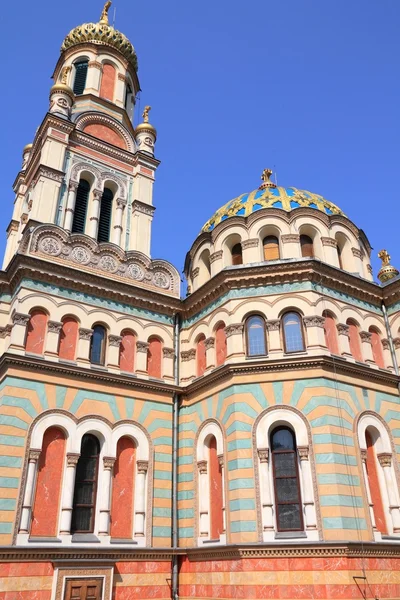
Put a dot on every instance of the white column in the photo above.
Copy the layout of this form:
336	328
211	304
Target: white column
85	335
343	337
216	262
385	460
234	340
29	491
52	338
369	497
119	212
291	245
315	332
95	214
329	247
308	496
387	356
366	345
18	333
68	493
168	363
189	358
114	343
266	499
69	211
105	495
140	505
251	251
204	499
222	467
210	353
274	336
141	357
358	261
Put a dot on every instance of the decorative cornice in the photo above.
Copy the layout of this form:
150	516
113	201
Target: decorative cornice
142	346
396	343
290	238
5	331
34	454
20	319
357	252
142	207
385	344
251	243
263	454
209	343
85	334
49	173
168	352
202	467
364	455
273	325
108	463
54	326
314	321
385	459
303	452
96	65
72	459
142	466
195	272
234	329
343	329
188	355
327	241
366	337
216	255
114	340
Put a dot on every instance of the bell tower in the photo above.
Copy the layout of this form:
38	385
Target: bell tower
88	171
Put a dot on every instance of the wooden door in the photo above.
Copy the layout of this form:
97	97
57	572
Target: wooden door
83	589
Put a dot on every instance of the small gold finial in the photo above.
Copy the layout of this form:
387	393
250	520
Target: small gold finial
104	14
266	183
64	75
387	271
145	114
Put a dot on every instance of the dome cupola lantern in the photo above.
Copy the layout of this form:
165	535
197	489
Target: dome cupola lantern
145	133
387	271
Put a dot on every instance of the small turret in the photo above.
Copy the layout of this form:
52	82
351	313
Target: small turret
145	133
387	271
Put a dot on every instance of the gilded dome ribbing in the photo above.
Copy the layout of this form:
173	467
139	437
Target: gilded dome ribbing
101	33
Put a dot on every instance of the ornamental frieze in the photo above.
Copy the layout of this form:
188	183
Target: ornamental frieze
80	250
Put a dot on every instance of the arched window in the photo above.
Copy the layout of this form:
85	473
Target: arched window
98	345
68	338
220	344
216	497
81	68
84	504
289	515
49	481
255	336
154	359
81	204
271	247
127	351
201	360
237	257
107	82
103	232
123	490
36	332
374	484
292	332
354	340
307	246
377	350
331	338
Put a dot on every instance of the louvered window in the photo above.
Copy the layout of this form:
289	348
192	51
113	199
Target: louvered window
103	234
81	202
80	77
84	504
271	248
307	246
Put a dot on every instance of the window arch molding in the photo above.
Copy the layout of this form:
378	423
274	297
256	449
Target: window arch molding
389	482
211	428
268	421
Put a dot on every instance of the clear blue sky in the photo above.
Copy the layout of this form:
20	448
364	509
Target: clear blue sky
310	88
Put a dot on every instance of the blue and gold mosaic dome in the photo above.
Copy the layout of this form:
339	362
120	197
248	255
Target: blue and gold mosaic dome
268	195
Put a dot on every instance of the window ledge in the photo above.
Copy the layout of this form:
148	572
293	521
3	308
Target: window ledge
122	541
84	538
290	535
98	367
297	353
34	355
44	540
67	362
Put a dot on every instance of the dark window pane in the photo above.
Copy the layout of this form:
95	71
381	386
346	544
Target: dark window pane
285	464
282	439
81	202
84	493
90	446
80	77
287	490
289	517
81	520
97	345
87	469
237	258
103	234
85	485
256	336
293	333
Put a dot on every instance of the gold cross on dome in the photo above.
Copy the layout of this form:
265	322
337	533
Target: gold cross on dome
384	256
266	183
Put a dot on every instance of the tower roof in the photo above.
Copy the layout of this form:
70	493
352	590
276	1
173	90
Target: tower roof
101	33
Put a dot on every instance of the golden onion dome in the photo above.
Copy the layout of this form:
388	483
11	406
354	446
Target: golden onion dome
146	126
387	271
62	87
101	33
27	148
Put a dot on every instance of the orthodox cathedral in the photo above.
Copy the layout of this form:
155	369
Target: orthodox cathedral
243	442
